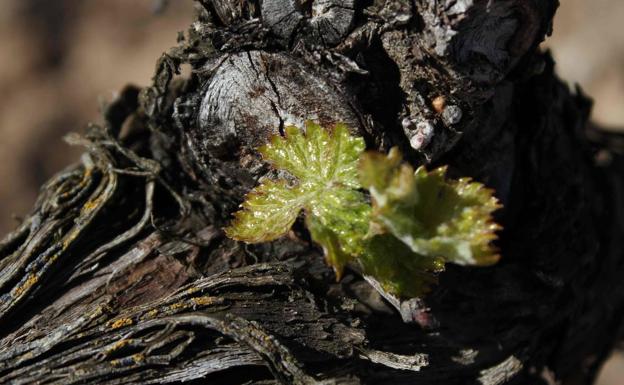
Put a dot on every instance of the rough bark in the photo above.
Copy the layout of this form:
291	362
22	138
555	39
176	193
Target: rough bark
121	274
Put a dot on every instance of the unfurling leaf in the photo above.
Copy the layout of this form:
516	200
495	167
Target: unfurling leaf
418	221
397	268
434	216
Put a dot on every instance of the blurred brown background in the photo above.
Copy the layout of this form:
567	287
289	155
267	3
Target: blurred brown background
61	59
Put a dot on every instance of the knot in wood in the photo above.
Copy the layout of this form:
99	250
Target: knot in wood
252	96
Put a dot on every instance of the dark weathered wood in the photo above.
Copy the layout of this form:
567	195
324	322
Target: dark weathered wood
121	273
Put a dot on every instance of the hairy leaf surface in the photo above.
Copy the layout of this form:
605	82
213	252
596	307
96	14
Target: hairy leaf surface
325	165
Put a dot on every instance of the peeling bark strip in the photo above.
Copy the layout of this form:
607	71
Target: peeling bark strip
121	273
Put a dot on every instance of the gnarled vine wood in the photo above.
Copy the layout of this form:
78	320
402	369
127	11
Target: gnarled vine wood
121	273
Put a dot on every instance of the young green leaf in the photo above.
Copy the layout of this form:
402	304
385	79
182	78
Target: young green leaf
318	156
434	216
268	212
326	168
399	270
418	220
